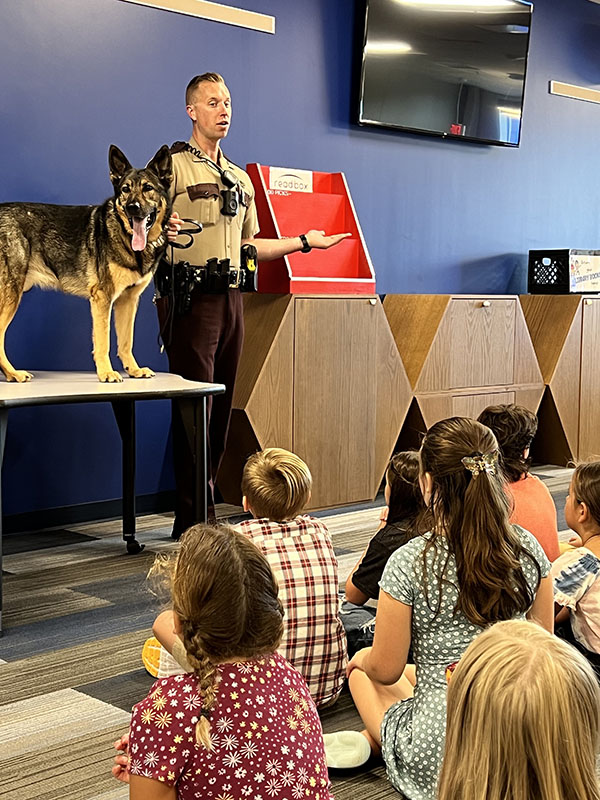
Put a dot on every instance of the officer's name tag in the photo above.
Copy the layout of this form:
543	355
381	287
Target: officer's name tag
290	180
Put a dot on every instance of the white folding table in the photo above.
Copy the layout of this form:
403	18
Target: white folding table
59	388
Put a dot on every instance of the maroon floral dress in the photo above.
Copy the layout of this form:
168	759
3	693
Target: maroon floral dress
266	736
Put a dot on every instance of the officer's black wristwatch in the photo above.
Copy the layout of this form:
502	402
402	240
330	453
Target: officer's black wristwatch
306	248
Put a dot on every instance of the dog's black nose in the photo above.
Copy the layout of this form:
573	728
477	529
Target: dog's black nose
134	209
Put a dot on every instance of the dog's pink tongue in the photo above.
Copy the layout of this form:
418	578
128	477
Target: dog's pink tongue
138	240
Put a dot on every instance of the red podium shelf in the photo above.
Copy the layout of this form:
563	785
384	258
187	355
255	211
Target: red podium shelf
290	202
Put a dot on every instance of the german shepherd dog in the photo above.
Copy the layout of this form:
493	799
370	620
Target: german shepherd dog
107	253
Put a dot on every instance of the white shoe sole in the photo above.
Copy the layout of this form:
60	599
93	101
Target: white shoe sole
346	749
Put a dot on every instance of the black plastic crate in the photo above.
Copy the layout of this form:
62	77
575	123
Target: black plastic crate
553	271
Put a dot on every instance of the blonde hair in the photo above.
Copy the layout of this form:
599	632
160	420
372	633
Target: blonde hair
225	597
276	484
523	719
206	77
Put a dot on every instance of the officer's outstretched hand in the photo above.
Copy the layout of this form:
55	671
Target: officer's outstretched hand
319	241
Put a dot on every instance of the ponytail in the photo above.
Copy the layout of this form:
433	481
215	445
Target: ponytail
469	508
487	548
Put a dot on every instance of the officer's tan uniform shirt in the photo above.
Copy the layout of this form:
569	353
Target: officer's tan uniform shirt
196	192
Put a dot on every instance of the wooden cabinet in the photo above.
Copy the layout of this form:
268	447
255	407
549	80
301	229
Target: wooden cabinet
565	330
320	376
335	395
462	353
477	330
589	386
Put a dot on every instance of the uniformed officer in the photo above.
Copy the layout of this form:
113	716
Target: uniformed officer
205	343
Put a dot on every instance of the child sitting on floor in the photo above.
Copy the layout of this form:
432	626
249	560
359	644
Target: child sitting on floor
404	504
276	486
438	592
533	507
523	720
242	724
576	573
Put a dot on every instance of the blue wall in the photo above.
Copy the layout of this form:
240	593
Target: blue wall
437	216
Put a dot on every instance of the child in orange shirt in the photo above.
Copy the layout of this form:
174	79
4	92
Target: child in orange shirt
533	507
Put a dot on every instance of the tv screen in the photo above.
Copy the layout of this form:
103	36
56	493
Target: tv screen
453	68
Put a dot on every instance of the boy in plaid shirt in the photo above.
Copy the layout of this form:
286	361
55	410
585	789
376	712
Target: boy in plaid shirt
276	486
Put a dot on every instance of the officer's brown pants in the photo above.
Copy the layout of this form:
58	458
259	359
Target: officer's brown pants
205	345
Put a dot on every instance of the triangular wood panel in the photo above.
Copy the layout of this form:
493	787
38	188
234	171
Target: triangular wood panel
394	396
565	382
549	319
270	407
550	445
414	321
263	314
530	397
527	368
434	407
413	429
589	386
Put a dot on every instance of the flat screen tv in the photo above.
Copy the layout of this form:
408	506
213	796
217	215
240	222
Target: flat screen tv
451	68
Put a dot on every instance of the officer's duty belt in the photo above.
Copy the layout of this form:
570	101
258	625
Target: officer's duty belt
216	277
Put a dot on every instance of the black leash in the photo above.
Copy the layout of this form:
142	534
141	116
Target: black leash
190	232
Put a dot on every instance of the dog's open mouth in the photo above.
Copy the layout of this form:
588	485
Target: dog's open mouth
140	227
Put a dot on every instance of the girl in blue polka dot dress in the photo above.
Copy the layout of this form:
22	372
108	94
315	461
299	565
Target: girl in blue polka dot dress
438	592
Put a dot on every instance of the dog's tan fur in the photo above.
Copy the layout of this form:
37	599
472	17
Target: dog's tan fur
89	251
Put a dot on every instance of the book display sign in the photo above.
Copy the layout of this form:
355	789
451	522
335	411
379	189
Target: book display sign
292	201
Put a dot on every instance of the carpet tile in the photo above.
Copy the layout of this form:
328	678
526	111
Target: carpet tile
77	611
58	746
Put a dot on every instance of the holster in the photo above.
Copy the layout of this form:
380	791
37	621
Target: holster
180	279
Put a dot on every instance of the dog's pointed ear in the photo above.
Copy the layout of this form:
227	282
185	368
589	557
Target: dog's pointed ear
117	164
162	165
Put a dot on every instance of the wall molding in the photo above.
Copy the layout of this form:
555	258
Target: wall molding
575	92
216	12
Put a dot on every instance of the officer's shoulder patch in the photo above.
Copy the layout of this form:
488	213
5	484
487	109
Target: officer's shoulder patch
177	147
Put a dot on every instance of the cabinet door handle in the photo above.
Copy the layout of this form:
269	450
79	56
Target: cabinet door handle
588	302
486	304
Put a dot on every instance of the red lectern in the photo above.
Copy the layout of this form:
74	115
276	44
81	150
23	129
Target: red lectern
290	202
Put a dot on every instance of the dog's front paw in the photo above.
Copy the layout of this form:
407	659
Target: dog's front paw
140	372
110	376
19	375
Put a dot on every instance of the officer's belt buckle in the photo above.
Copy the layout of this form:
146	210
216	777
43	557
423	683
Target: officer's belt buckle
235	277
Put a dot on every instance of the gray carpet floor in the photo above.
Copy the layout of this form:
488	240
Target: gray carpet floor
77	611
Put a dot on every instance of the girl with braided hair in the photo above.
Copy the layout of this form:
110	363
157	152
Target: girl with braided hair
242	724
438	592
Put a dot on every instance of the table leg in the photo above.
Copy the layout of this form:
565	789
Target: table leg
124	411
200	460
193	416
3	420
